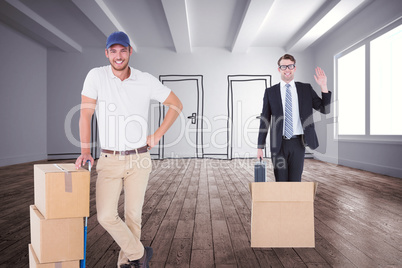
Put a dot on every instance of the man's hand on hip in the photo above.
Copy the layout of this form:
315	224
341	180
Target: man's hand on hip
152	140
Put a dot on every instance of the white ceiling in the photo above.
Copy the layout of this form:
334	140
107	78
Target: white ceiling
178	25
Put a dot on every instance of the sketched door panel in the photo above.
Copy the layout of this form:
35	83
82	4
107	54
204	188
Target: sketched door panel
184	138
246	94
155	115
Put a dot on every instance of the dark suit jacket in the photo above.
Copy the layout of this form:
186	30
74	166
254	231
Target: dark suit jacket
272	115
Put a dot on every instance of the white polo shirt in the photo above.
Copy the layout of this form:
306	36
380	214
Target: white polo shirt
122	106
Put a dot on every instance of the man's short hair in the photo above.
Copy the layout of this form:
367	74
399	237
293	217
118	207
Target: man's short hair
286	57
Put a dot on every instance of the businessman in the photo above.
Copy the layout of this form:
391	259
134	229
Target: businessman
288	111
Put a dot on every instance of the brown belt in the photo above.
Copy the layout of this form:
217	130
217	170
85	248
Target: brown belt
140	150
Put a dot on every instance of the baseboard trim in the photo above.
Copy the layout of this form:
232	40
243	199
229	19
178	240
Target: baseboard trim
22	159
380	169
63	156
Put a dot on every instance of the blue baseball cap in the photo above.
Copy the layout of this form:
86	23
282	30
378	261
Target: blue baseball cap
118	38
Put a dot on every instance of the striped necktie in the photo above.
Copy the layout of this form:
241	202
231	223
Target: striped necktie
288	113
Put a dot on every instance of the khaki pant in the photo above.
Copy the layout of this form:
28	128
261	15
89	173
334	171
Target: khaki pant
114	173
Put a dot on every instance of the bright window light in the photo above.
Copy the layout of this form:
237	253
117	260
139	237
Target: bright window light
385	83
351	93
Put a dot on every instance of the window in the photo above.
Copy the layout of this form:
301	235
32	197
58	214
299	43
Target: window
351	96
385	83
371	106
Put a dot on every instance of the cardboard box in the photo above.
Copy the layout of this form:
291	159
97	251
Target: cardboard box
34	262
61	191
282	214
56	240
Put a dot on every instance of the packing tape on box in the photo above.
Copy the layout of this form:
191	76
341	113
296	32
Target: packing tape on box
68	181
58	265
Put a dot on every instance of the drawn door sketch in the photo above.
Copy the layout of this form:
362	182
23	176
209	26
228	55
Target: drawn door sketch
245	105
154	115
184	138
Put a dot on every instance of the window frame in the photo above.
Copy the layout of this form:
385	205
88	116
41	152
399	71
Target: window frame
367	137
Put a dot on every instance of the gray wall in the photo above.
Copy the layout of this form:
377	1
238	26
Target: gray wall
22	98
40	88
66	74
67	71
374	155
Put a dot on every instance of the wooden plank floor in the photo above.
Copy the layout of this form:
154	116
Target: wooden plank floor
197	214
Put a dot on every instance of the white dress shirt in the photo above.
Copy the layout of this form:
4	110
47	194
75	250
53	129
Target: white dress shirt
297	125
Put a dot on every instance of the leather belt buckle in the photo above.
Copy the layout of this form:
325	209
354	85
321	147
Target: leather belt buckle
293	137
140	150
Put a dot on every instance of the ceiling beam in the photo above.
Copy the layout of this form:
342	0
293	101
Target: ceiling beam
102	17
253	18
95	14
326	18
177	17
48	31
115	22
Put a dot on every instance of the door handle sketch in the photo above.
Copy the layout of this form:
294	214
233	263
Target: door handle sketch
192	117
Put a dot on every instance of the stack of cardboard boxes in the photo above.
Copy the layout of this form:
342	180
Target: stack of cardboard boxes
57	226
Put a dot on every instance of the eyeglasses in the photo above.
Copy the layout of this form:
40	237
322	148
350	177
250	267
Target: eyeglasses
290	67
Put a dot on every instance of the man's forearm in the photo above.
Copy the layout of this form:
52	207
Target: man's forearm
85	135
170	117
